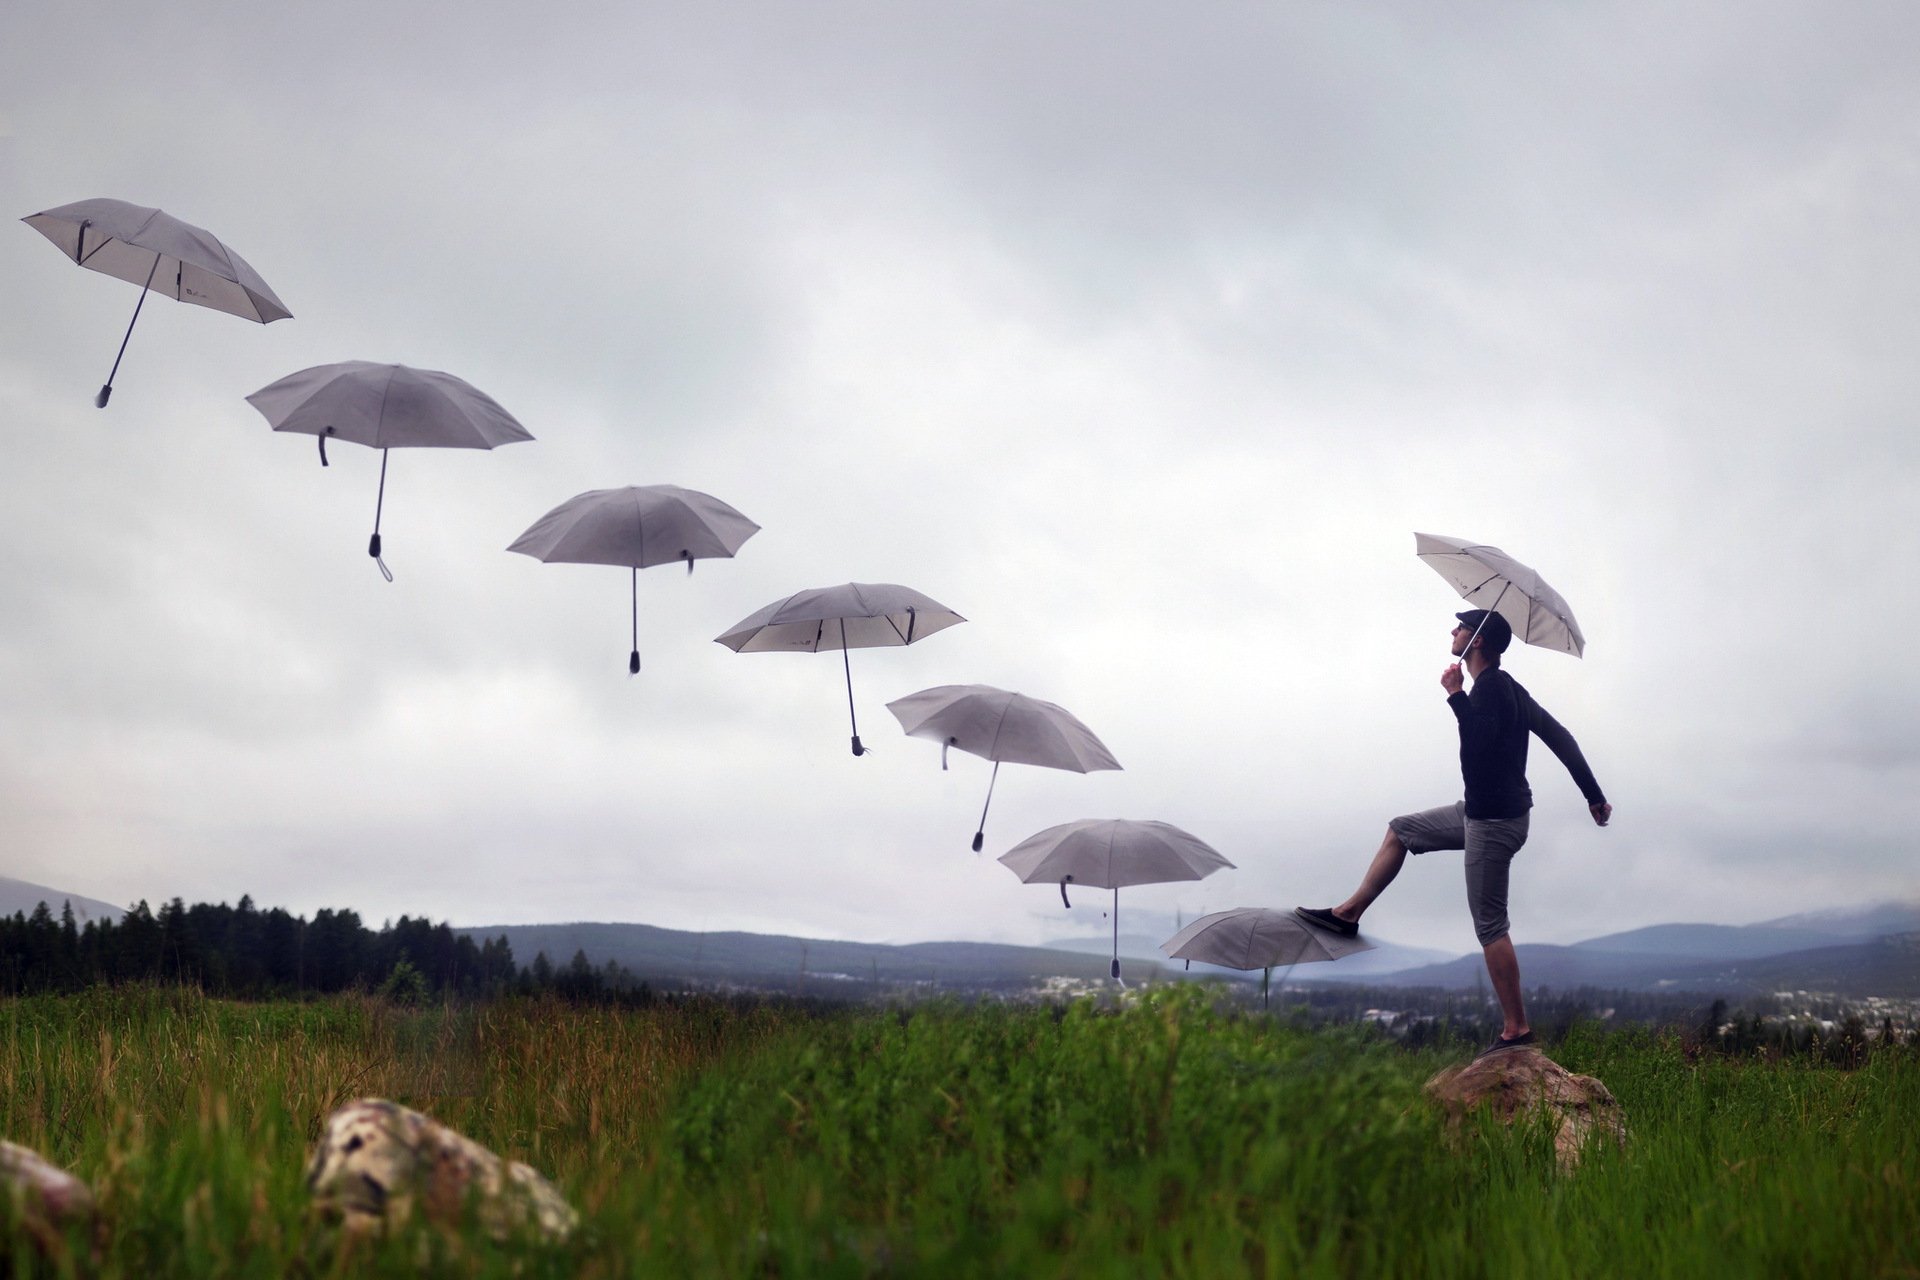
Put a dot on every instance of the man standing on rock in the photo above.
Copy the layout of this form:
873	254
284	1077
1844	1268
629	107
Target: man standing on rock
1490	824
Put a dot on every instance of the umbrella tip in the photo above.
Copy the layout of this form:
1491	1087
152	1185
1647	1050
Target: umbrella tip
100	401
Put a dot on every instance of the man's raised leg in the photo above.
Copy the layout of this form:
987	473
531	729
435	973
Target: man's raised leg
1386	864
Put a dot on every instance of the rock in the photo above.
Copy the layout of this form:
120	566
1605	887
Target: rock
377	1160
1516	1082
49	1197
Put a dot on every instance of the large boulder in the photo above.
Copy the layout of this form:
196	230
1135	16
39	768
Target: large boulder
47	1196
1524	1081
377	1161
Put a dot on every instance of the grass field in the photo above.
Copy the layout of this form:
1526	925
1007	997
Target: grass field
1165	1138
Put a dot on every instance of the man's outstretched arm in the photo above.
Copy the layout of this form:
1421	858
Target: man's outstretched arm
1561	743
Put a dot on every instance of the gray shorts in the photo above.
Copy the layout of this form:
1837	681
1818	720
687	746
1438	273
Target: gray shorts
1490	844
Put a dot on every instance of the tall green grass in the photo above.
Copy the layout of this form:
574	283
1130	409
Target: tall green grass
1165	1137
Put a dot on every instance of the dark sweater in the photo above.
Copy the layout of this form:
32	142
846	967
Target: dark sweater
1495	722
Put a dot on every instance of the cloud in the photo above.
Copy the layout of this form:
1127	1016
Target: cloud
1144	339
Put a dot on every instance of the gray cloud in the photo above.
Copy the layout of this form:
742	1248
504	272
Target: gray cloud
1143	338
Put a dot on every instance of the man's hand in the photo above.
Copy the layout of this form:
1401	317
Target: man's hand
1451	681
1600	812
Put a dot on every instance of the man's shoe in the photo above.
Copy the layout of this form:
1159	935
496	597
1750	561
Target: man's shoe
1325	919
1501	1042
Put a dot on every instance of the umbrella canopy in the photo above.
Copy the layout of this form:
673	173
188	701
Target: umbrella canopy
1000	726
638	526
1257	938
385	406
1488	578
161	254
853	615
1109	853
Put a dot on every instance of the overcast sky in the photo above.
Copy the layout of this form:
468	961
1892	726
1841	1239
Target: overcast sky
1143	335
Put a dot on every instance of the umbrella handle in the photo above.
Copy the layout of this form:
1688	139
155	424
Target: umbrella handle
322	438
1063	892
1116	932
379	505
633	659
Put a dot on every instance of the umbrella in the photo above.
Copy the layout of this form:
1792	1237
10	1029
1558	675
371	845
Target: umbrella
638	526
1000	726
1488	578
1108	853
385	406
1257	938
133	243
854	615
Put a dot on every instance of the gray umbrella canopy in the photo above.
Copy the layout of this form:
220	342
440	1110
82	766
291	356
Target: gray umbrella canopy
1108	853
385	406
853	615
1257	938
161	254
1488	578
638	526
998	725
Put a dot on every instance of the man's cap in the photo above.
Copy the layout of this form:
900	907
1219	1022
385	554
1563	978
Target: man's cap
1495	636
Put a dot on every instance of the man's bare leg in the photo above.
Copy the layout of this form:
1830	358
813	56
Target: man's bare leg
1503	967
1385	866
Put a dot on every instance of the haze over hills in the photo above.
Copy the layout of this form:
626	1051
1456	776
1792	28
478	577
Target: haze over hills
669	957
1867	950
22	896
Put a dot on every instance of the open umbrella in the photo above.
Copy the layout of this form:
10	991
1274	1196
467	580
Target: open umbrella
385	406
1257	938
854	615
1000	726
1108	853
638	526
161	254
1488	578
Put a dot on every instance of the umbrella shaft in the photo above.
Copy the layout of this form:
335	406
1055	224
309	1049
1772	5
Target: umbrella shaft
136	319
1483	622
995	777
380	499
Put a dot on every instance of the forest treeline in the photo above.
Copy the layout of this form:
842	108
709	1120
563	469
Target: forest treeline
246	953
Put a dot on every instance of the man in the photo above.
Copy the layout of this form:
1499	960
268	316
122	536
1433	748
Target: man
1490	824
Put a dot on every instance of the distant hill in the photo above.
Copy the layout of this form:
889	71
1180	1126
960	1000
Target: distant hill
1854	922
1828	951
673	957
22	896
1716	941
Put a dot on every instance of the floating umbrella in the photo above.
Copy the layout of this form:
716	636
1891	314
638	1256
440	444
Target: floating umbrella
161	254
1490	579
1257	938
1000	726
638	526
855	615
385	406
1108	853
